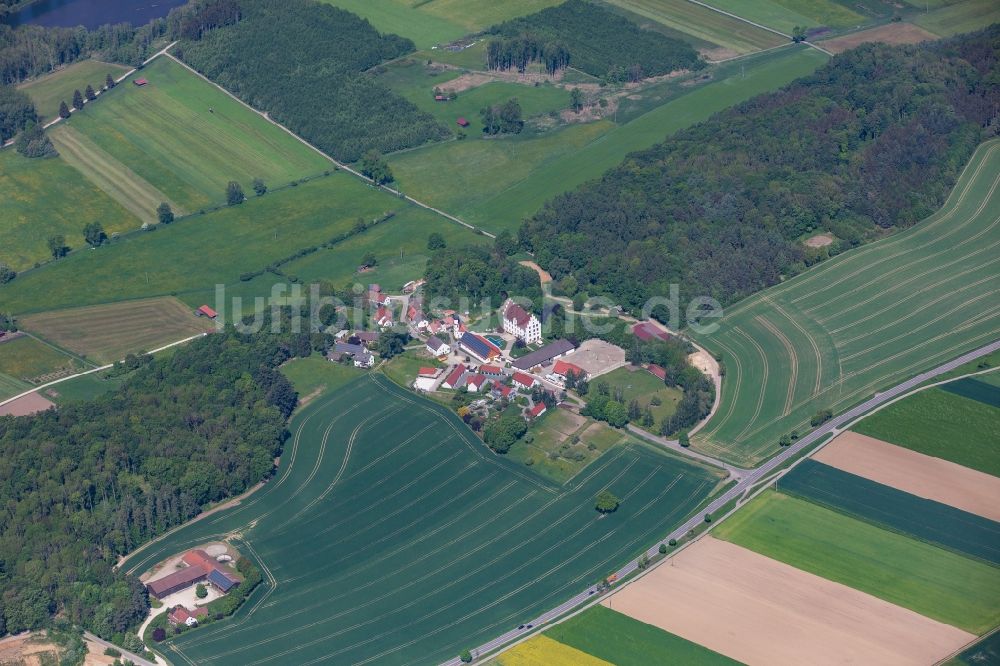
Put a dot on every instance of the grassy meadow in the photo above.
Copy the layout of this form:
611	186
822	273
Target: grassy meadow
45	197
941	424
188	139
315	375
560	444
857	323
497	183
383	504
932	581
638	384
195	254
48	91
30	360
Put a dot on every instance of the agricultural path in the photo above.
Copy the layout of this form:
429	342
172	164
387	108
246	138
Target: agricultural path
834	426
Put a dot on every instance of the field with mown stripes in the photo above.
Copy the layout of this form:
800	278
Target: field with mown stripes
392	535
859	322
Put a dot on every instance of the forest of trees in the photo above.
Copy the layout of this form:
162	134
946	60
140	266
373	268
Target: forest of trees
31	50
476	273
873	140
305	64
591	37
16	111
90	482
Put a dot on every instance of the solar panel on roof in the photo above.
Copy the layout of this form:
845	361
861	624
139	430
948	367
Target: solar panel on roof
220	580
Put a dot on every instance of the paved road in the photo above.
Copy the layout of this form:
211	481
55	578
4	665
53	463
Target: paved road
830	427
136	659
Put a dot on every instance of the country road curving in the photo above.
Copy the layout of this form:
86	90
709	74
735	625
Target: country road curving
746	483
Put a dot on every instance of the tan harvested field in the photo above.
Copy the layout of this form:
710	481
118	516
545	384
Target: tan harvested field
915	473
25	405
761	611
106	333
892	33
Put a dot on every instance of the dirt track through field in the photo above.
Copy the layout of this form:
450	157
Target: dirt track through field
761	611
915	473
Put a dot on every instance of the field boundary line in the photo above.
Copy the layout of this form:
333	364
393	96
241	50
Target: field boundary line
337	163
758	25
93	370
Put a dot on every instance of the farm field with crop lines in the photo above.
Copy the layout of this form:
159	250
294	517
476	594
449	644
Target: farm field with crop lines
923	519
859	322
392	535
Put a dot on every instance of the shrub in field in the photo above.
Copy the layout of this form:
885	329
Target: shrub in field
607	502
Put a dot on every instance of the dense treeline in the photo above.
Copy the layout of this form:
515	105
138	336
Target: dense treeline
87	483
476	273
30	50
304	62
595	39
16	111
873	140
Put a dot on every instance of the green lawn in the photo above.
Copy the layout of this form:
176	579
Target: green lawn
11	386
29	360
45	197
189	139
732	35
390	535
195	254
964	16
638	384
47	91
858	323
552	451
476	15
495	184
621	640
784	15
929	580
941	424
403	369
315	375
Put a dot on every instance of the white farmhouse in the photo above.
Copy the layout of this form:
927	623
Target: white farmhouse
520	324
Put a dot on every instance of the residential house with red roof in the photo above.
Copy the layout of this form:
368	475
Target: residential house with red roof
537	410
455	378
523	380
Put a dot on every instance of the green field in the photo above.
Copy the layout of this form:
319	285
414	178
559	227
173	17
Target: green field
923	519
11	386
638	384
735	37
58	86
964	16
132	191
188	139
391	535
45	197
552	451
859	322
496	184
985	390
941	424
191	256
30	360
85	387
416	81
929	580
785	15
315	375
623	641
